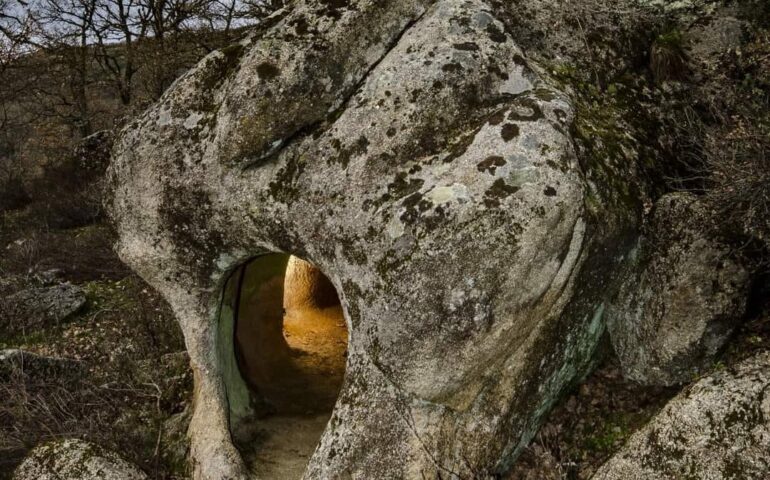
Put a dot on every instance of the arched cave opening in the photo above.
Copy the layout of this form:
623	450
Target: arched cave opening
290	347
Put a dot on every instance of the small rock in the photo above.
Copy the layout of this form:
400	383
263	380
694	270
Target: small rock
716	37
49	277
93	153
680	299
15	364
718	429
36	307
73	459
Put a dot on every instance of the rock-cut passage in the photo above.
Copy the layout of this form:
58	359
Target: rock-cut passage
290	343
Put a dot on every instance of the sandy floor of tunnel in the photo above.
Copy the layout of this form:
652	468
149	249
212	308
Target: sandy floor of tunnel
303	388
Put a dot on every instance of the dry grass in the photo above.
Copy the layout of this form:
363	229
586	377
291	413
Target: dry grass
739	185
125	390
82	254
124	415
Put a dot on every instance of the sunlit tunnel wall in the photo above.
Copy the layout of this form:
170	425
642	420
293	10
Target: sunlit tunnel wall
307	287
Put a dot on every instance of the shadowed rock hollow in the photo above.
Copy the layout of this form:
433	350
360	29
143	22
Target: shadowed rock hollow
290	335
413	153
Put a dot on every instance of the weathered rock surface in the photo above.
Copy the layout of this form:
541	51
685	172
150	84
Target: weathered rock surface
92	154
176	444
36	306
20	365
682	297
411	152
73	459
718	429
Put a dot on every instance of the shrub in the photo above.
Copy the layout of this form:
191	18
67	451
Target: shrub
68	195
668	57
739	184
13	195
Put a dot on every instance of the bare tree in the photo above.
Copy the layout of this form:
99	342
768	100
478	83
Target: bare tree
61	61
262	8
169	20
117	27
66	27
16	28
16	32
222	15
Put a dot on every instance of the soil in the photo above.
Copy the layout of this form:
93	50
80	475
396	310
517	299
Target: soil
285	444
589	425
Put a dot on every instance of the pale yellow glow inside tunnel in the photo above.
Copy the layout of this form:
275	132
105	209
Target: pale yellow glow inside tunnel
291	344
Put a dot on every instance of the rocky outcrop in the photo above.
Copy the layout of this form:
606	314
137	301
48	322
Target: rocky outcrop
412	153
717	429
92	154
681	298
74	459
37	306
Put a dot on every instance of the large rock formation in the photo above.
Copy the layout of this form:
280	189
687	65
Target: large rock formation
409	150
74	459
718	429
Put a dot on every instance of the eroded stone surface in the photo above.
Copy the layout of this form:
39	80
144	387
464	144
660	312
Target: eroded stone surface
36	306
20	366
718	429
431	177
73	459
681	298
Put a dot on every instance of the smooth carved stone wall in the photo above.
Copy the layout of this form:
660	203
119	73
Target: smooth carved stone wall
307	287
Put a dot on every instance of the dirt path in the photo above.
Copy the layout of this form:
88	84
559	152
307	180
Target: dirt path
285	444
303	390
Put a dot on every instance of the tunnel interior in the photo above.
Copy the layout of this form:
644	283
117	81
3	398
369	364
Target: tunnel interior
290	347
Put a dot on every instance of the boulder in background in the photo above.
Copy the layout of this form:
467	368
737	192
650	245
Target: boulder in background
718	429
681	297
73	459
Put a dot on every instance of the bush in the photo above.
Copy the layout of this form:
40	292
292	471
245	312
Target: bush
721	139
13	195
60	208
739	185
68	195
